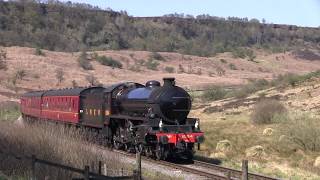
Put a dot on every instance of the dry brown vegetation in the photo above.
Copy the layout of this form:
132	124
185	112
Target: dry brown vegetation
58	144
192	72
274	124
266	110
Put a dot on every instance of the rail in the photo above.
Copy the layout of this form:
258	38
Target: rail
216	172
234	173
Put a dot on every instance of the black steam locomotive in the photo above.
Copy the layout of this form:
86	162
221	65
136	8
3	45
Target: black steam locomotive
151	118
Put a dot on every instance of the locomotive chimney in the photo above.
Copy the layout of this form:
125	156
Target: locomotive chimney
169	81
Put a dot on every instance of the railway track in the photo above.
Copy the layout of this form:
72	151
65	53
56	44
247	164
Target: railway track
204	174
204	169
232	173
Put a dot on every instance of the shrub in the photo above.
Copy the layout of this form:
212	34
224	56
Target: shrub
232	66
220	71
38	52
304	131
94	55
243	53
199	71
251	55
36	76
109	61
181	69
84	62
156	56
223	61
151	64
137	65
140	62
3	54
239	53
169	69
135	68
3	65
20	74
265	110
214	93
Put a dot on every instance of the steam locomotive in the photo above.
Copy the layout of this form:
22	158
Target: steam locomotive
151	119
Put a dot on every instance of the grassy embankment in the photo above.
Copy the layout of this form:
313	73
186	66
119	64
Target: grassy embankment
58	144
241	119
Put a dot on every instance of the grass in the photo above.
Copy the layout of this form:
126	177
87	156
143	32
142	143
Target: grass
214	93
68	146
53	143
242	134
9	111
157	175
292	157
256	85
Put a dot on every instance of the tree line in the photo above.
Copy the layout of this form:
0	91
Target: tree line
66	26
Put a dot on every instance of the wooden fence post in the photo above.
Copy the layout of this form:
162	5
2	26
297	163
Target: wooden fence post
92	167
135	174
86	172
105	169
33	167
138	161
244	170
229	175
99	168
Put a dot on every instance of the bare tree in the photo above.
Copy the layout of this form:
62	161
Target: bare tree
74	83
3	57
92	80
59	75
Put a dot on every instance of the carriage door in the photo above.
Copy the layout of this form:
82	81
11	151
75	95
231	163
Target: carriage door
92	102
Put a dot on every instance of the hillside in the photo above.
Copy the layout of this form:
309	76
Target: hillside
74	27
191	72
286	146
228	118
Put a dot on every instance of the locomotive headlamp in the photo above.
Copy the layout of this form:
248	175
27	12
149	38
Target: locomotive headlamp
196	125
160	124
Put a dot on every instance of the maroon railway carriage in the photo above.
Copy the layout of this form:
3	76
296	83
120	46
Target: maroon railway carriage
67	104
31	103
148	118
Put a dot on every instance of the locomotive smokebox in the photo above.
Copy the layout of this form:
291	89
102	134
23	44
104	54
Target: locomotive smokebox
169	102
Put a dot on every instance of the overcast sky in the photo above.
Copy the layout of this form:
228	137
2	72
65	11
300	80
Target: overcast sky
297	12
